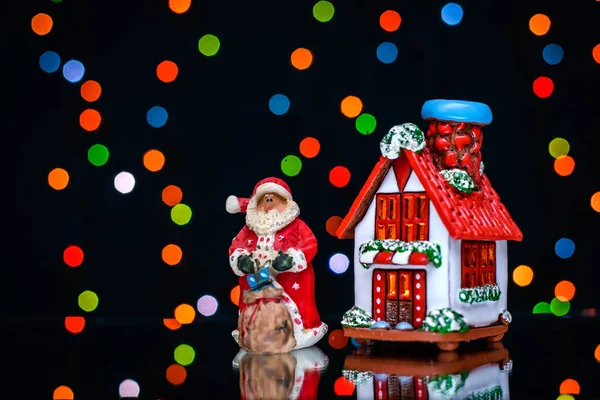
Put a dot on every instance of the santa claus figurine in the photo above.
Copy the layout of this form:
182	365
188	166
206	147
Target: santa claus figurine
274	239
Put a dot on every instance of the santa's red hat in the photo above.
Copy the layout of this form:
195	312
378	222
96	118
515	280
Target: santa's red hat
235	204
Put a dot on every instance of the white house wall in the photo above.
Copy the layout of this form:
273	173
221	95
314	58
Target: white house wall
436	278
479	314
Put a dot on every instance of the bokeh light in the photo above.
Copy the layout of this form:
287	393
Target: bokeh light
596	53
309	147
390	20
176	374
523	275
63	393
323	11
452	14
88	301
207	305
184	354
569	386
153	160
343	387
234	295
539	24
75	325
541	308
597	353
209	45
167	71
564	165
98	155
291	165
332	224
339	176
179	6
172	195
90	119
172	254
366	124
90	91
181	214
338	263
559	147
185	314
301	58
553	54
564	290
124	182
49	62
279	104
559	308
595	201
172	323
351	106
387	52
337	340
73	256
58	179
41	24
564	247
565	397
129	388
157	116
73	71
543	87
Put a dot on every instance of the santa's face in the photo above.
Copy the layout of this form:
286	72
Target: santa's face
271	201
271	213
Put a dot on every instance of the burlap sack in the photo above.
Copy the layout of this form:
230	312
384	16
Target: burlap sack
267	376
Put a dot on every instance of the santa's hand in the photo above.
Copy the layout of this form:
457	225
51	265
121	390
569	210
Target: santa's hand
245	264
283	262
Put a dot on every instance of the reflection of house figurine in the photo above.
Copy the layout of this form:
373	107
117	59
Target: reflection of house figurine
430	234
481	374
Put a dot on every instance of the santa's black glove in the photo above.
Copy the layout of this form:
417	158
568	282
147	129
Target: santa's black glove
283	262
245	264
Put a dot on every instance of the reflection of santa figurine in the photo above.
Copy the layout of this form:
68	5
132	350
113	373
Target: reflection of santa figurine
293	376
275	238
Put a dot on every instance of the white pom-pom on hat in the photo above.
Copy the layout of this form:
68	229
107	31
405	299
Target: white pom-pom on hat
235	205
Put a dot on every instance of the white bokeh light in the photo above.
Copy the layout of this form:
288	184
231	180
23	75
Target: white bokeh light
129	388
124	182
207	305
339	263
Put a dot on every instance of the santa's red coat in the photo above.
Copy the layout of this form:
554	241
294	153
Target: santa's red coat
296	235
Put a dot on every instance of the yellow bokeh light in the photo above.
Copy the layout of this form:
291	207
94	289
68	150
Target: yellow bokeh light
351	106
539	24
559	147
565	397
523	275
595	201
154	160
185	314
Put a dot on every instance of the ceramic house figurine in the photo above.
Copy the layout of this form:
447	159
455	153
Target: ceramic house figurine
272	256
430	235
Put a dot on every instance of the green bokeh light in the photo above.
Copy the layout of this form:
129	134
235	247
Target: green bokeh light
366	123
559	147
98	155
542	308
181	214
184	354
323	11
88	301
209	45
291	165
559	308
57	1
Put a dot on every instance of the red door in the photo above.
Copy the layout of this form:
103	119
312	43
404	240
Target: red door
399	296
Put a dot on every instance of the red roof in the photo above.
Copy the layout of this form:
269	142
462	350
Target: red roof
476	216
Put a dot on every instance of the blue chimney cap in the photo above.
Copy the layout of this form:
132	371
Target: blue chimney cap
457	110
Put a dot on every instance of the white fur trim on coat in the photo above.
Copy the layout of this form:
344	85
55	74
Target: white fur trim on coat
233	260
232	205
299	260
269	187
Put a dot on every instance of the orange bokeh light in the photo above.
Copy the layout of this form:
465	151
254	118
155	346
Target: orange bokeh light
167	71
596	53
41	24
154	160
390	20
339	176
91	91
310	147
75	324
90	119
564	165
569	386
301	58
176	374
343	387
171	254
597	353
179	6
58	179
332	224
63	393
539	24
523	275
73	256
351	106
185	314
543	87
595	201
235	295
564	291
171	323
172	195
337	340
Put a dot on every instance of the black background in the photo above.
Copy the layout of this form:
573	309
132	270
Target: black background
221	138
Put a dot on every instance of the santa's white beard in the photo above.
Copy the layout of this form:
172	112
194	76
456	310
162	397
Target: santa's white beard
268	223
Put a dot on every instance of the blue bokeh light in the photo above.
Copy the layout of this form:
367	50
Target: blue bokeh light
452	13
553	54
279	104
564	248
73	71
157	116
49	62
387	52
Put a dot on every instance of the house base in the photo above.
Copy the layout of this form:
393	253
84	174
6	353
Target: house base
445	341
